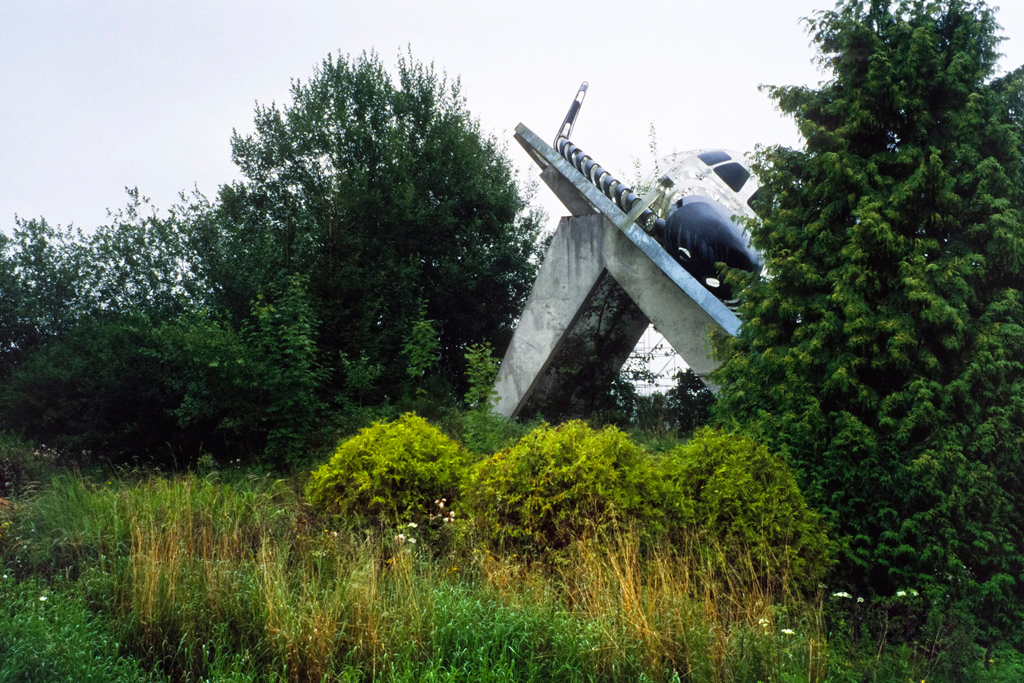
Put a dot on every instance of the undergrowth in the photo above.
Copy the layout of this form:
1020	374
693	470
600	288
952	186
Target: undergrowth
234	578
205	579
48	633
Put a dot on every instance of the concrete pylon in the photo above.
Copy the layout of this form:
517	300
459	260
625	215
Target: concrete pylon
586	249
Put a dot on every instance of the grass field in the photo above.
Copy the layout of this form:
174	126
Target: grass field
230	577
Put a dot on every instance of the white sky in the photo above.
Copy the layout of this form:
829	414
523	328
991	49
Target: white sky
96	95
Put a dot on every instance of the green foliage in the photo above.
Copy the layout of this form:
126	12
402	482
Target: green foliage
49	264
138	264
17	334
481	373
386	193
483	430
141	262
489	640
1004	665
202	579
884	358
250	390
389	473
562	484
169	565
99	390
689	401
893	639
746	500
22	466
658	420
421	349
360	377
382	192
84	355
124	386
283	336
217	376
49	635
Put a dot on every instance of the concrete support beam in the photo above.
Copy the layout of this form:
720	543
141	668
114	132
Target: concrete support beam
677	316
592	354
572	269
585	249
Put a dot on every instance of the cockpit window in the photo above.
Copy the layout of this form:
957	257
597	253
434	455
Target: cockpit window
713	157
752	202
733	174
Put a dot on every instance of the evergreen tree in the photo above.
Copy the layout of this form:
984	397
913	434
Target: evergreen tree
883	353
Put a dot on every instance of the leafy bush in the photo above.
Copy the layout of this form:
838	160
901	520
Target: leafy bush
99	389
22	466
389	472
884	357
744	498
559	484
562	483
689	402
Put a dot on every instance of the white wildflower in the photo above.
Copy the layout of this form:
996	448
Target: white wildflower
842	594
42	598
412	540
900	594
412	525
788	631
860	599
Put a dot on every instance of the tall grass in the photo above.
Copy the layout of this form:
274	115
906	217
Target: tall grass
51	635
684	609
204	580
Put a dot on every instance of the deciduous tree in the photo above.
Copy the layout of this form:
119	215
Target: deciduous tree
388	196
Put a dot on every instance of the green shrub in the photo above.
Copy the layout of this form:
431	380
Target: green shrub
559	484
22	467
483	431
745	499
389	472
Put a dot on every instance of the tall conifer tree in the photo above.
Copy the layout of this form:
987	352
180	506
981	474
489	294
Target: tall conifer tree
883	354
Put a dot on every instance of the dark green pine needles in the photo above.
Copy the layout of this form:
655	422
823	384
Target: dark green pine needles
883	354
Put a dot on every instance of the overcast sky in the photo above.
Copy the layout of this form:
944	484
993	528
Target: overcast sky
96	95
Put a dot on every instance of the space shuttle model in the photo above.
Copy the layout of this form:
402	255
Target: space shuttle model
659	258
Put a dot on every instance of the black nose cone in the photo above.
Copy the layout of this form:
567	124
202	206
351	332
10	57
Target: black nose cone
700	233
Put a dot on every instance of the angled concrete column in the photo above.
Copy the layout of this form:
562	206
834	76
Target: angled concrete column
676	315
591	355
572	269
